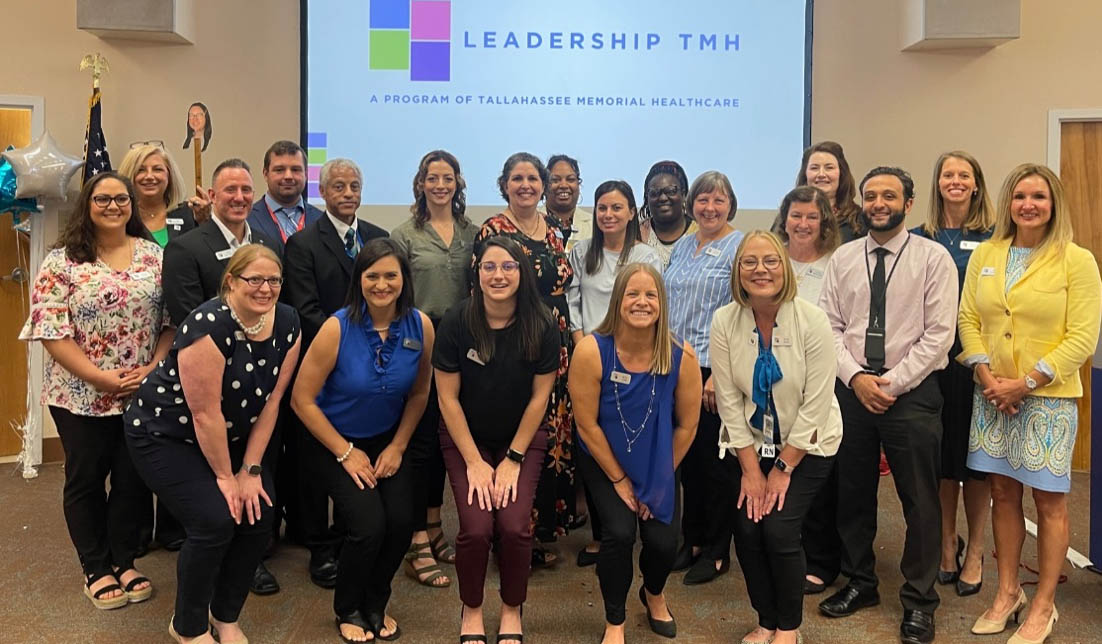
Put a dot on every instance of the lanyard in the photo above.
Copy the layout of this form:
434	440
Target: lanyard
895	265
279	226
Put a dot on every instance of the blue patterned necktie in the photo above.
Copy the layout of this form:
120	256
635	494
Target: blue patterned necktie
350	243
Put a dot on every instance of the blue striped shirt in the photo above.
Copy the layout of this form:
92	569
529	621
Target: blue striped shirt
697	285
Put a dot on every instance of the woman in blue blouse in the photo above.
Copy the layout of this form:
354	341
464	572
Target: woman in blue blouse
635	392
360	391
698	281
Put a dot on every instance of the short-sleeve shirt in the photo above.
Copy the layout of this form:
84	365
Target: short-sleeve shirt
115	317
439	271
251	371
495	394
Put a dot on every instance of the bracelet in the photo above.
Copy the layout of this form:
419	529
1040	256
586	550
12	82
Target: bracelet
347	453
620	479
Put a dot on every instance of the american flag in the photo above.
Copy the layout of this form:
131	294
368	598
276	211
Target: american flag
96	159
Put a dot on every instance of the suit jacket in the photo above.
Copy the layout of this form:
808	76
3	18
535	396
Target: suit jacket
316	271
179	221
1052	312
192	270
261	220
808	416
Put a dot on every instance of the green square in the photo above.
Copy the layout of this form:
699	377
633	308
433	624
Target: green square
316	156
389	49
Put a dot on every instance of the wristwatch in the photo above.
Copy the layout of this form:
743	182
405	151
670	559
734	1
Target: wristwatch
1030	383
252	470
514	456
781	466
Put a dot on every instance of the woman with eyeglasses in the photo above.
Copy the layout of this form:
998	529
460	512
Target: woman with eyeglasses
158	184
198	430
496	357
665	216
361	391
97	306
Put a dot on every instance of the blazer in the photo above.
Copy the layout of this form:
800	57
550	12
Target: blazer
316	271
261	220
192	270
808	416
1051	313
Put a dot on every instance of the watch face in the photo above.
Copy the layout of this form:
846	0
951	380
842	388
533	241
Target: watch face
254	470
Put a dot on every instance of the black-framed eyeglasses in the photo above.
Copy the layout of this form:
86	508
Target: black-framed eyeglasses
104	201
506	267
750	263
157	143
671	192
257	281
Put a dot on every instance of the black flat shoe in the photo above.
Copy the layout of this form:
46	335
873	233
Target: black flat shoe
264	582
684	559
812	588
945	578
323	570
660	627
965	589
917	627
352	619
587	558
848	601
704	571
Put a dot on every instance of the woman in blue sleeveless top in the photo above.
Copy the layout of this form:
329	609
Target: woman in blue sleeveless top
360	391
636	399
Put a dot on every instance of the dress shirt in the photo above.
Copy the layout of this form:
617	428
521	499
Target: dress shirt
230	238
588	295
921	307
697	284
439	271
288	225
342	230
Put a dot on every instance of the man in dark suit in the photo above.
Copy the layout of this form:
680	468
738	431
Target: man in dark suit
194	262
282	212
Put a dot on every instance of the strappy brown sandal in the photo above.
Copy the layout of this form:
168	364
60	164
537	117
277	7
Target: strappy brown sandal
441	549
425	575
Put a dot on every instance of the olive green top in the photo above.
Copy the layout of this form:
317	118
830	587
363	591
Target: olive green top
439	271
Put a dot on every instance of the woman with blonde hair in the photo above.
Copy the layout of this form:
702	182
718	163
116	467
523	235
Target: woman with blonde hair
1029	317
158	184
636	392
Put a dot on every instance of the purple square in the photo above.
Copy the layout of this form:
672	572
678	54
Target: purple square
430	61
431	21
312	191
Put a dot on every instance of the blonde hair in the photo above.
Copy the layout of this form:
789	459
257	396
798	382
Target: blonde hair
241	259
662	357
788	290
1058	232
134	159
980	216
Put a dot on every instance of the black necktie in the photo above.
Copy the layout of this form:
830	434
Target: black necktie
874	336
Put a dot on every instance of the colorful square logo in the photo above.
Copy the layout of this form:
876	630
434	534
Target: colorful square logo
413	35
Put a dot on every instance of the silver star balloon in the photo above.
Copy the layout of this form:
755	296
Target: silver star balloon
42	169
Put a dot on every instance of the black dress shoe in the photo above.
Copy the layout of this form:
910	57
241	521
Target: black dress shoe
704	571
949	577
917	627
965	589
264	582
848	601
174	545
587	558
323	570
660	627
684	559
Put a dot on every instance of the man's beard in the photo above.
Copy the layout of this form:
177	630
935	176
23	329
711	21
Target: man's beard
894	220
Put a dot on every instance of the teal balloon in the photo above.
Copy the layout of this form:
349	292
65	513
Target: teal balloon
8	202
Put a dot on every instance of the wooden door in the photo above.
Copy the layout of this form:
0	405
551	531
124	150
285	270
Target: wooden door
1081	174
15	129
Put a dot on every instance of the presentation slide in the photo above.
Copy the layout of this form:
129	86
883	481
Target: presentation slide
616	84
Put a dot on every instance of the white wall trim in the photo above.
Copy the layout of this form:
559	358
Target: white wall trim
1058	117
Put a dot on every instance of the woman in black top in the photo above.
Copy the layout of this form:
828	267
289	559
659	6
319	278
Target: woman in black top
496	358
198	429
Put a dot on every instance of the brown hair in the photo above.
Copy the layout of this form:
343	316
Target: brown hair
829	235
980	216
845	198
79	236
711	181
420	207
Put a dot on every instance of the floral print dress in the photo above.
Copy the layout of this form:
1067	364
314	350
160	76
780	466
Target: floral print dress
553	509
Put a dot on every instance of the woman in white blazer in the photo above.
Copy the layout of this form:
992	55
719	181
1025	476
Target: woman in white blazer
781	421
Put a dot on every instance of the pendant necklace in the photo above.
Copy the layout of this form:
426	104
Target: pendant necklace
631	435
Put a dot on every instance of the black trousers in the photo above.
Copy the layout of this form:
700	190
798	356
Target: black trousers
707	485
103	526
308	519
614	567
910	433
427	461
217	561
822	545
380	523
770	552
154	512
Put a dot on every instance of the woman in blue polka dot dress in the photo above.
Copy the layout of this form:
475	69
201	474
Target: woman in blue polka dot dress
198	429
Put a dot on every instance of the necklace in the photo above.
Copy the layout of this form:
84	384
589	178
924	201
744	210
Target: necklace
516	222
632	434
952	240
249	330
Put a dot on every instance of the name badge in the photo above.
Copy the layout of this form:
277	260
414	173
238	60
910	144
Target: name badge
620	377
782	342
472	355
969	245
768	451
223	255
987	271
140	275
711	252
239	335
174	221
411	343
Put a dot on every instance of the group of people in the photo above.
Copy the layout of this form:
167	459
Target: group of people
250	359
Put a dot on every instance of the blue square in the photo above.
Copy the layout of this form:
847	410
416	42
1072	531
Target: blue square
389	14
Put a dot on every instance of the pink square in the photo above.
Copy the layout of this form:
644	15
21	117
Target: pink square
313	172
430	20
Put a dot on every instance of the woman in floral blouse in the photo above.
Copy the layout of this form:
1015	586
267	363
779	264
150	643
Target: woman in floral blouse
522	183
98	309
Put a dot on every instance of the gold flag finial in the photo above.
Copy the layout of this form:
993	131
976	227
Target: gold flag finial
98	64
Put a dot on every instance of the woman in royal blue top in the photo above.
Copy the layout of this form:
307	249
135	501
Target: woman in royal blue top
360	391
636	395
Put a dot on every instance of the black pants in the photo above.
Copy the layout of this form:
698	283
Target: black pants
614	568
910	432
822	545
103	527
217	561
153	512
312	524
769	551
707	487
380	523
428	462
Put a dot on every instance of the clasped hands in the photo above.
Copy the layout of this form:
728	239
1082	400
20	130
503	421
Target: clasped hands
761	494
495	488
1005	393
358	465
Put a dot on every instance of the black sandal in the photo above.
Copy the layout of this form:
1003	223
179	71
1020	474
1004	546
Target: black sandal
97	599
377	623
354	619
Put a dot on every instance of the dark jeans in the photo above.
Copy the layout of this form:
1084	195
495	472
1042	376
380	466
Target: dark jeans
217	561
428	462
103	527
614	567
707	486
512	525
769	551
910	433
380	522
822	545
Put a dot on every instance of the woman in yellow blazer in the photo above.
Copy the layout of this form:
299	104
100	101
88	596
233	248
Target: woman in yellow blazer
774	365
1029	317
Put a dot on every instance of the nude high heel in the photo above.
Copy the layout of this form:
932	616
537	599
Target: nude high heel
984	626
1017	638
